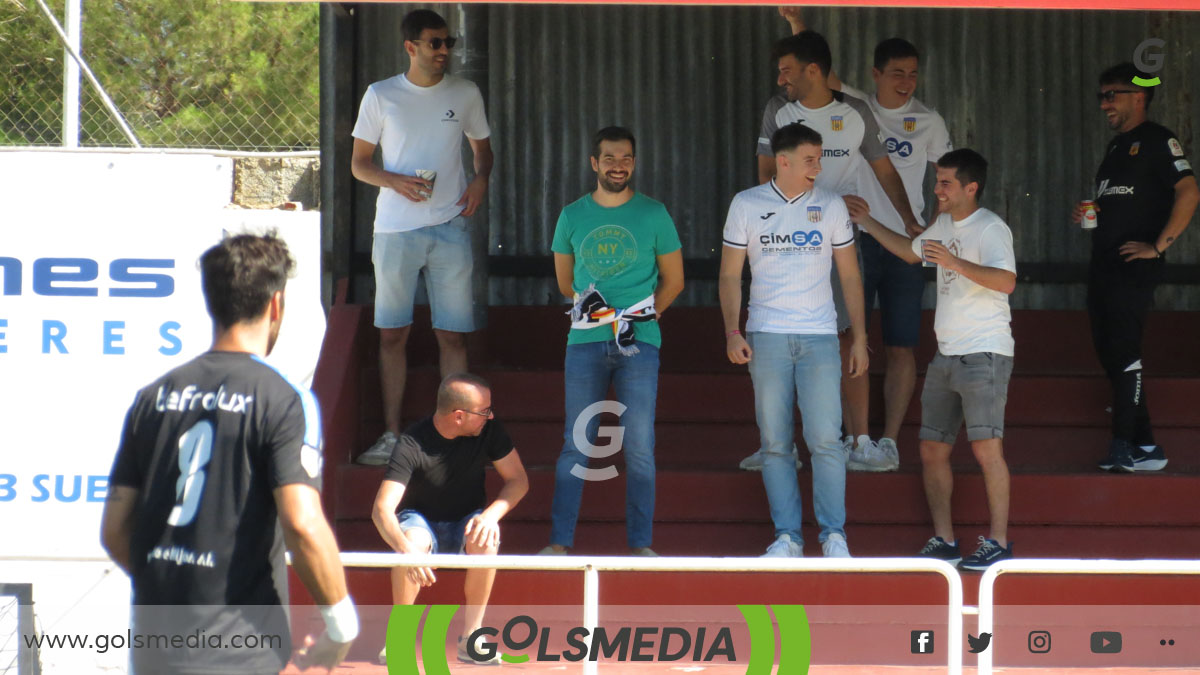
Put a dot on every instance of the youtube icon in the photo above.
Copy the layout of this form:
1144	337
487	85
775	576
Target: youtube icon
1106	642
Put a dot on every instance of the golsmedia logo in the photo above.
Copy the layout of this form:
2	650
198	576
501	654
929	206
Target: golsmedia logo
521	640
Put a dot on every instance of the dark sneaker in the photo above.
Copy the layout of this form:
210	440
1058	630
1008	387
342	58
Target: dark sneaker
465	657
381	452
1120	457
938	549
1154	460
989	552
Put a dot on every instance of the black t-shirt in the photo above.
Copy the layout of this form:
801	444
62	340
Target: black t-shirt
210	539
1135	189
443	478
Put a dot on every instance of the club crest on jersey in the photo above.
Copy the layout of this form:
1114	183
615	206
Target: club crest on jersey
814	214
910	124
836	122
1133	149
1176	148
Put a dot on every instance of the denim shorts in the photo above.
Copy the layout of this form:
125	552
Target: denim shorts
447	536
899	287
973	387
443	254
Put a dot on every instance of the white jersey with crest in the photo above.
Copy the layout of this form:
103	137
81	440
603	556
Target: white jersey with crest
913	135
789	243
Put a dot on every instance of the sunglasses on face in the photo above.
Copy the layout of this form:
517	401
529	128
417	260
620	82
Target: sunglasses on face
1111	95
437	42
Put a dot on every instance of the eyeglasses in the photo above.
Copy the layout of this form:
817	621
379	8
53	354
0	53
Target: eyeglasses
486	412
437	42
1111	94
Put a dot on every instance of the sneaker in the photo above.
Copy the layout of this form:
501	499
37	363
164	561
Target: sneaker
938	549
989	552
868	456
464	657
784	547
754	462
643	552
550	550
847	445
888	447
382	658
835	547
1120	457
1154	460
381	452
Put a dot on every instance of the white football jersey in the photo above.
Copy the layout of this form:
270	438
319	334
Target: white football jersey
789	243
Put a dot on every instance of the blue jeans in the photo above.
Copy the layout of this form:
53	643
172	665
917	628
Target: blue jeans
590	368
805	371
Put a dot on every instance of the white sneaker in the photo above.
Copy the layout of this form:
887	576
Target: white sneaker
868	457
784	547
835	547
848	445
381	452
888	447
754	462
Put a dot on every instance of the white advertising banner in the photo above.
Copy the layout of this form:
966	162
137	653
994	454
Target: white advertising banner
99	295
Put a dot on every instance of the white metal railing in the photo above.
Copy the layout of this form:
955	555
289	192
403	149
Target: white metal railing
591	566
987	584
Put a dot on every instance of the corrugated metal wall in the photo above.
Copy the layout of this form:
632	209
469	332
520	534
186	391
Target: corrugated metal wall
691	83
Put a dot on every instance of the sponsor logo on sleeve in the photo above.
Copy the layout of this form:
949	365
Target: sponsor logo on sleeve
1176	148
1182	165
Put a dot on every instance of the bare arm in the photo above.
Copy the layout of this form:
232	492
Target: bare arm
473	197
484	529
1187	196
729	289
315	554
564	272
991	278
383	514
898	244
670	280
889	178
846	259
116	529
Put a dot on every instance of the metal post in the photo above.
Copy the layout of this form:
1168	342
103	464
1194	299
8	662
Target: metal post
70	128
591	613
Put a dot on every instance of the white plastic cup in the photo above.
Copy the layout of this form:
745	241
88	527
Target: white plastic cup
925	262
429	175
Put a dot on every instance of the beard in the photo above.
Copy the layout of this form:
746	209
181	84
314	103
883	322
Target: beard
613	186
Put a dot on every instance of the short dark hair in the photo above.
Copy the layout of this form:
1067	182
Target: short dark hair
791	136
894	48
969	167
418	20
1123	73
612	134
451	396
808	47
240	274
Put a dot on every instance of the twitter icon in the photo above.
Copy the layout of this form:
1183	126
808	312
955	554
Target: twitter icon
980	643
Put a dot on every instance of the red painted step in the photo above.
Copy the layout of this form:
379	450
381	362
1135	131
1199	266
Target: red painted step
712	496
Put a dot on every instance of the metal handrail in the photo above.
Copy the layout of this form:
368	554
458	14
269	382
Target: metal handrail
591	566
987	583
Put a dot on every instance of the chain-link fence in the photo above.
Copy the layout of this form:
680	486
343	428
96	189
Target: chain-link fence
183	73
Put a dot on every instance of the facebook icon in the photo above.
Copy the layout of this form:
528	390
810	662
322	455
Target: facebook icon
922	642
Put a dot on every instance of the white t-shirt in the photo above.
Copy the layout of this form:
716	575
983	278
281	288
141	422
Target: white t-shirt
790	247
970	318
421	128
849	137
913	136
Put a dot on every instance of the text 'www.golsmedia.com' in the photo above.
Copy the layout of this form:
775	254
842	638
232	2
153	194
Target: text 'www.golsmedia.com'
103	642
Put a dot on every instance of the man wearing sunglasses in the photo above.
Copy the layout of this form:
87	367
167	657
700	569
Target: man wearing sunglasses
418	118
435	479
1145	195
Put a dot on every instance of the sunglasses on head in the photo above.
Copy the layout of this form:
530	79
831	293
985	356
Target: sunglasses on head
1111	94
437	42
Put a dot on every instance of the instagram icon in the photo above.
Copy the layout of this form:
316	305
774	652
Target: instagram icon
1039	642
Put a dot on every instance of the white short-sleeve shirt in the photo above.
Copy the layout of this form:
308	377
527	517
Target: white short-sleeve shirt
789	244
970	318
421	128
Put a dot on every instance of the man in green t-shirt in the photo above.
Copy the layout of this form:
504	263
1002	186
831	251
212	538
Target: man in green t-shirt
617	254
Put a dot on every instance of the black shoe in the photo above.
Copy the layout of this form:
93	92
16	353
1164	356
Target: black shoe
938	549
1154	460
1120	457
989	552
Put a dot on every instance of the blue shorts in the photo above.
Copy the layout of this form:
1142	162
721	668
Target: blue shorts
899	286
446	536
443	254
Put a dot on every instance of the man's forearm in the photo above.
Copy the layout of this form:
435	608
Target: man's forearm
852	293
665	294
370	173
898	196
315	559
510	494
730	292
1181	216
991	278
483	163
899	245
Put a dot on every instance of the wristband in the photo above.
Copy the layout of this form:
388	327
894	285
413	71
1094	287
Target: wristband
341	620
732	333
